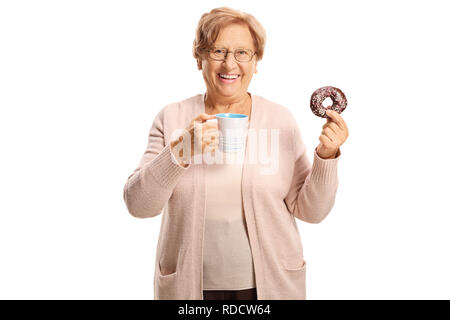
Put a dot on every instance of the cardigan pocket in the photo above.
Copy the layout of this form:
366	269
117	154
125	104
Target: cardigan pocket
295	271
167	284
166	271
294	263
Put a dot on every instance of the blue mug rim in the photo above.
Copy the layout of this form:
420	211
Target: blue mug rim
231	115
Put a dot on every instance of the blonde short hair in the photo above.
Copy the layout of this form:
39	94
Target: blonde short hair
211	23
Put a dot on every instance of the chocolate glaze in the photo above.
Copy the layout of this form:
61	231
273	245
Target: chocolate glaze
318	96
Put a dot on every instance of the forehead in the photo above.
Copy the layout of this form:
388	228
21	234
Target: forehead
234	36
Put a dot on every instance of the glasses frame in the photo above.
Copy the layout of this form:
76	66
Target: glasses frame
229	51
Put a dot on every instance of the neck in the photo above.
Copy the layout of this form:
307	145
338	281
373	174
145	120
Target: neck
217	105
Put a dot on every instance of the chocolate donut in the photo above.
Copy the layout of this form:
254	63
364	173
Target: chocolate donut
318	96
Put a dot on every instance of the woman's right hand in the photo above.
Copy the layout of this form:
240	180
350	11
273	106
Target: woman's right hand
207	140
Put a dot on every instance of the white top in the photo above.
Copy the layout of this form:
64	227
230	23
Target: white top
227	257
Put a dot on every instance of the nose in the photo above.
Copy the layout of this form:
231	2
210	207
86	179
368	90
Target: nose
229	60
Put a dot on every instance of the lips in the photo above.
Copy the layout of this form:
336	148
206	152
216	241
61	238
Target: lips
229	74
226	80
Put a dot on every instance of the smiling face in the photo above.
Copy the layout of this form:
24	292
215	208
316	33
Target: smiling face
231	37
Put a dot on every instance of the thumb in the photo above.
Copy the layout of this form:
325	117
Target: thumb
204	116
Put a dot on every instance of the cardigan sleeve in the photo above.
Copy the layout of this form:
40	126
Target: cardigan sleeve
151	184
312	193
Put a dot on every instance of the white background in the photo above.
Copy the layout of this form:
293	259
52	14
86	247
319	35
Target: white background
80	85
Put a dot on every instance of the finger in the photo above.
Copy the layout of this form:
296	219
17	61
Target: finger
333	126
210	125
325	140
341	135
204	116
329	134
211	135
210	142
336	117
213	143
332	135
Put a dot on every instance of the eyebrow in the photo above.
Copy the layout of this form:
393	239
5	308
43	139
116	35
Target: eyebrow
223	46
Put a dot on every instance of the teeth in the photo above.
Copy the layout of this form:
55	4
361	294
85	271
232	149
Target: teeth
227	77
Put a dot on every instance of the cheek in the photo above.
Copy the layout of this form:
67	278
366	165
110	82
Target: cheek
248	75
205	64
212	74
207	68
208	74
249	72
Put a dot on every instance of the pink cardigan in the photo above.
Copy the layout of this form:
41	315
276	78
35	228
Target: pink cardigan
271	202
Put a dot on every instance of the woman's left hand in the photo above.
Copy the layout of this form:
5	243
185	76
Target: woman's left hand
334	134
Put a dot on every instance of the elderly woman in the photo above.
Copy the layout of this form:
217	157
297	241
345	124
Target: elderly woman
229	231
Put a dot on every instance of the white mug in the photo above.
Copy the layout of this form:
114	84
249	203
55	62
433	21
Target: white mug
233	128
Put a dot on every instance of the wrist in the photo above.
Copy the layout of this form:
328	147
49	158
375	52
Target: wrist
328	155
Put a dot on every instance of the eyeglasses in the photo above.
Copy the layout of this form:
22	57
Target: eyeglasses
241	55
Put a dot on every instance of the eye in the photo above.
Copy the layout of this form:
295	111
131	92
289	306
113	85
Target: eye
244	53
